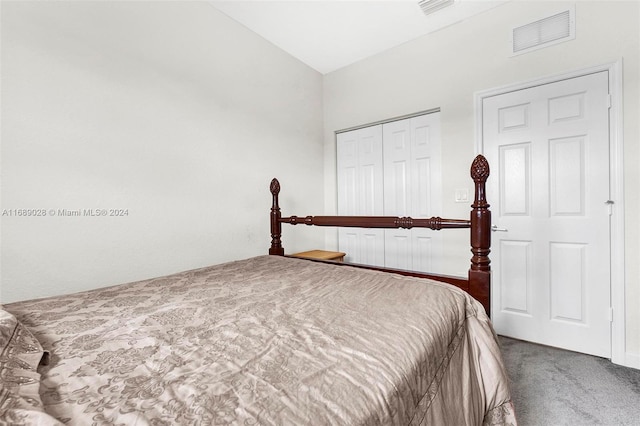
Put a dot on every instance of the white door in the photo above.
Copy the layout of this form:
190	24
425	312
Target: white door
413	187
360	193
548	147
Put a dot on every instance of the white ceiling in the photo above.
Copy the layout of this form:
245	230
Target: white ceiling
330	34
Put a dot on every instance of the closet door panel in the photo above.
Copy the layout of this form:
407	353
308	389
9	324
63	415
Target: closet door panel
398	249
426	179
360	192
412	187
426	190
396	144
347	173
392	169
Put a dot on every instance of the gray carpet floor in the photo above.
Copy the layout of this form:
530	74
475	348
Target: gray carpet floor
552	386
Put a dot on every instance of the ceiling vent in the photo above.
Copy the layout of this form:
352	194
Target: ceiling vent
544	32
430	6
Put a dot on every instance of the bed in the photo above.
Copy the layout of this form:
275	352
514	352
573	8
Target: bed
269	340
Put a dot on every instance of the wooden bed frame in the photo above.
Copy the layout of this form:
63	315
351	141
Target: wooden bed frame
478	283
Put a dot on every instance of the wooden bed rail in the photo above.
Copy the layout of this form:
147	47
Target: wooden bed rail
434	223
479	281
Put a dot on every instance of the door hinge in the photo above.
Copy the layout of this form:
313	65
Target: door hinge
609	102
610	314
609	204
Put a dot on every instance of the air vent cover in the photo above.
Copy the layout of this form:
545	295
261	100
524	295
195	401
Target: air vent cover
545	32
430	6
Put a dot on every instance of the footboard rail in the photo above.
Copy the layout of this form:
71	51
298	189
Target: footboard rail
435	223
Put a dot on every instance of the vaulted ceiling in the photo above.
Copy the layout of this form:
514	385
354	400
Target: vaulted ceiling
328	35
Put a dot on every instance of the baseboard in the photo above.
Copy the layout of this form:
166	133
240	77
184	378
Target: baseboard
632	360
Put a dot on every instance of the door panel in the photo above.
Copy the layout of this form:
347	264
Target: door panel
567	282
360	192
412	188
549	148
515	271
515	188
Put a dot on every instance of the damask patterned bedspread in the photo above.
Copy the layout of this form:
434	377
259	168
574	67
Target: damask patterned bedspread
263	341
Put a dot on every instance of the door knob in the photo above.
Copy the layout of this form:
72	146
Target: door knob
495	228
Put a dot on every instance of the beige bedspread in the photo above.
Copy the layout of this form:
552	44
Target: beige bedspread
265	341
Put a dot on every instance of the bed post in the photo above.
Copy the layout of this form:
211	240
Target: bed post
480	271
276	226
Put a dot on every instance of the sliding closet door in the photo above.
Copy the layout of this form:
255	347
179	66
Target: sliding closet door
391	169
360	193
412	187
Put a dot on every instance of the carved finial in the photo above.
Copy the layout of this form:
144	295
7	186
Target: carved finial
480	169
275	186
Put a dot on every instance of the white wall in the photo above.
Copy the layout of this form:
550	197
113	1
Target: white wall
176	113
168	109
445	69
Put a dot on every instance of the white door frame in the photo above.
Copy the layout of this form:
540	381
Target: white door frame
616	167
